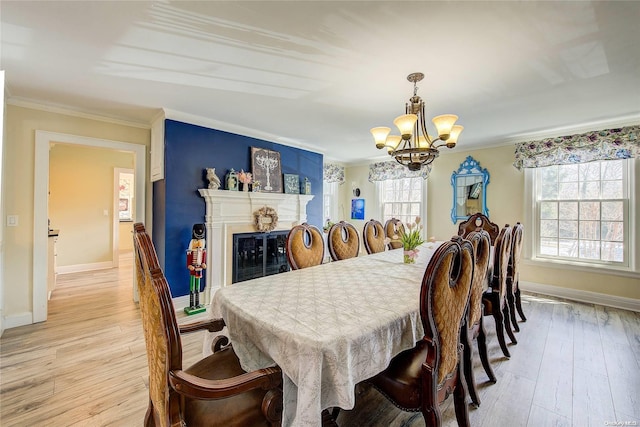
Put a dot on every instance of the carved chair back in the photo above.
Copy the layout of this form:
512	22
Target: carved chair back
305	246
393	228
444	298
501	254
479	221
516	252
162	336
482	248
343	241
373	235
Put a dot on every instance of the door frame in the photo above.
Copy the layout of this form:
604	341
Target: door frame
41	202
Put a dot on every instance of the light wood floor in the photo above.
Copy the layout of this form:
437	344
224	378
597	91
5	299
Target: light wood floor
575	364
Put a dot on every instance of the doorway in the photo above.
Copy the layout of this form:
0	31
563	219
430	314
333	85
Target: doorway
124	197
44	140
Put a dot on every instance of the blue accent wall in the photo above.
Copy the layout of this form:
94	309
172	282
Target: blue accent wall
177	205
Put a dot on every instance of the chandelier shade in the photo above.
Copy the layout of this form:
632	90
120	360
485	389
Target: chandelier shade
414	147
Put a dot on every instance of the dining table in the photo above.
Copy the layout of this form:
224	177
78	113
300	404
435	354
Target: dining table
328	327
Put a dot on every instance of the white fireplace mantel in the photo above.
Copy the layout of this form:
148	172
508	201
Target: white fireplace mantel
231	212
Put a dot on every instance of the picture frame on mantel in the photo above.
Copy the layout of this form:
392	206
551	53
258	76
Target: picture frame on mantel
266	168
291	183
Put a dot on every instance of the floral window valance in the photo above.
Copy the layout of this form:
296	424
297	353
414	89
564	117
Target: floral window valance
333	173
383	171
608	144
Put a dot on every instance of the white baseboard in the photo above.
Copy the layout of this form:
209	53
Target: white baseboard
582	296
19	319
78	268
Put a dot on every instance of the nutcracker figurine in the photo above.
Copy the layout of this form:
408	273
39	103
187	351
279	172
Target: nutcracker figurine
196	262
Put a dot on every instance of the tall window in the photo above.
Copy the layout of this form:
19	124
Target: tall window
401	198
582	212
329	202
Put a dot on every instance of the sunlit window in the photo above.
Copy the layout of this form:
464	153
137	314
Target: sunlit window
329	202
582	212
401	199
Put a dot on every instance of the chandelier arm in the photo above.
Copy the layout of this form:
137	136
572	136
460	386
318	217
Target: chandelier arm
423	125
444	143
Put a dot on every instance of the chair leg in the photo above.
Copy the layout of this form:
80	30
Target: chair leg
148	417
482	350
497	315
519	304
433	418
328	420
507	324
459	402
512	305
468	368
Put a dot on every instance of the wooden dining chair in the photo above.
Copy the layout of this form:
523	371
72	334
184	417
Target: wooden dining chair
494	299
476	222
305	246
373	236
513	276
482	248
393	228
215	391
343	241
421	378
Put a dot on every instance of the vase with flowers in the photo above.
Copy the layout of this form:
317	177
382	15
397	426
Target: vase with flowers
245	178
410	238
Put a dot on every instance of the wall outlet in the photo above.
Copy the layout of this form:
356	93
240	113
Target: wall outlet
12	220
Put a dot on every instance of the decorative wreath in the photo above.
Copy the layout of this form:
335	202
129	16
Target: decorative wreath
265	219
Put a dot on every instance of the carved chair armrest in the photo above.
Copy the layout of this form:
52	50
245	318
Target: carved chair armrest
199	388
211	325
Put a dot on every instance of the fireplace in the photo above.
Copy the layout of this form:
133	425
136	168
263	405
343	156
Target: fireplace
232	212
258	255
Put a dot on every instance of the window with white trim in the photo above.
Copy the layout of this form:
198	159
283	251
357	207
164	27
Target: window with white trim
401	199
581	213
329	202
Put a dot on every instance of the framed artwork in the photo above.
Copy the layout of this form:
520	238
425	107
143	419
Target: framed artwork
357	208
291	183
266	169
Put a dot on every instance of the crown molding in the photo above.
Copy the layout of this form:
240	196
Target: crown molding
69	111
238	130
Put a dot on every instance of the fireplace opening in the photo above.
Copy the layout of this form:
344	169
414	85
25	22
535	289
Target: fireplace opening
258	255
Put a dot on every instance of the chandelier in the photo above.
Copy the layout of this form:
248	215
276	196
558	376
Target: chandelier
414	147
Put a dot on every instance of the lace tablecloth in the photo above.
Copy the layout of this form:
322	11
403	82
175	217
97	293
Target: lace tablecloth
328	327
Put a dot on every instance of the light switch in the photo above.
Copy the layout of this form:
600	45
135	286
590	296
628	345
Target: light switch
106	212
12	220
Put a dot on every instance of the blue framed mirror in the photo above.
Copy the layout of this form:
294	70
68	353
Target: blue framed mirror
469	184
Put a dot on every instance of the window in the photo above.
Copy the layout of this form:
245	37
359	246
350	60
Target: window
401	198
329	202
582	213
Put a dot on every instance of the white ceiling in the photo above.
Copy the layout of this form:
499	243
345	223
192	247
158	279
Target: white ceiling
320	74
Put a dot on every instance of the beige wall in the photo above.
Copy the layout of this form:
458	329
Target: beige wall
81	190
504	191
18	185
505	201
125	243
